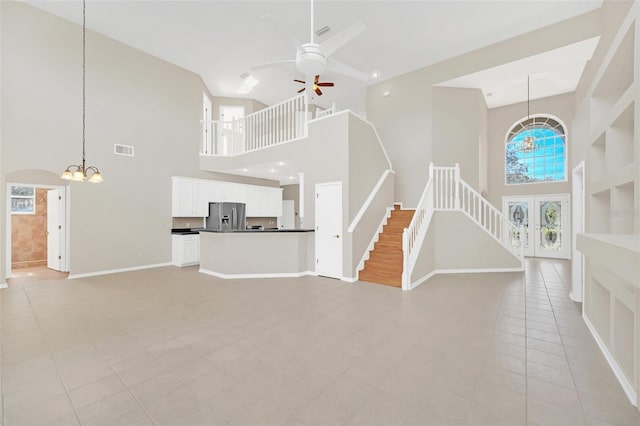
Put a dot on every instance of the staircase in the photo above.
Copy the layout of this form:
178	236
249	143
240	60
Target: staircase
386	259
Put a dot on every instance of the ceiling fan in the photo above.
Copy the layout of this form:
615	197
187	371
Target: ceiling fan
313	58
316	85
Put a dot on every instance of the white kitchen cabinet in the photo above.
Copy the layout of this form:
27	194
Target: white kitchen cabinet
185	249
226	192
189	198
263	201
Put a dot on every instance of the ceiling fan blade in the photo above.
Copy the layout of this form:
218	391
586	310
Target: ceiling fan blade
316	79
344	69
272	65
342	38
328	84
318	91
284	33
301	90
300	81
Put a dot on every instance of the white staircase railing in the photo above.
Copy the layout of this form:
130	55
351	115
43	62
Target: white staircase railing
413	235
279	123
445	191
321	113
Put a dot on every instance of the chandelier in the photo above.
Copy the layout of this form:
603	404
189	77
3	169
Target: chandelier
81	172
529	142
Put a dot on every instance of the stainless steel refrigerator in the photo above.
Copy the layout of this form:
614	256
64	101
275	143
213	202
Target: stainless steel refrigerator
226	216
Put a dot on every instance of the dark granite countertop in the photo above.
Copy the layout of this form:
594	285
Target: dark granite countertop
254	231
185	231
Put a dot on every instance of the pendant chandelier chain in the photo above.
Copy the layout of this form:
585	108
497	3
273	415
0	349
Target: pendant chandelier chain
80	172
84	98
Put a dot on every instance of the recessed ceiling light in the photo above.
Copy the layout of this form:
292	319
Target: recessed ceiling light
375	74
272	170
245	170
281	163
291	177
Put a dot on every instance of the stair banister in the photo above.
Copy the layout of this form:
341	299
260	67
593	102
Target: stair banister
413	235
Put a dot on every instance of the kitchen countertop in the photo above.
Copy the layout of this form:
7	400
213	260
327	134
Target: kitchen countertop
185	231
253	231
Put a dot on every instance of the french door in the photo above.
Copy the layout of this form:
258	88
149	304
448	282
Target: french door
545	221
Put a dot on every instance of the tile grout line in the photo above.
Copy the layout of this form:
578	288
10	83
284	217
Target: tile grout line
526	351
64	384
573	379
2	407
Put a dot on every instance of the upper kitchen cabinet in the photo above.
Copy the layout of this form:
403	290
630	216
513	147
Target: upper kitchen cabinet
226	192
264	201
189	197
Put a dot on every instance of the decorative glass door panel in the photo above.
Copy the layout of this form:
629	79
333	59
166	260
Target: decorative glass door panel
545	221
517	209
553	235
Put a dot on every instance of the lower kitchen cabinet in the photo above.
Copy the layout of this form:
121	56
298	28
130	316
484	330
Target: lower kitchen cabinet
185	249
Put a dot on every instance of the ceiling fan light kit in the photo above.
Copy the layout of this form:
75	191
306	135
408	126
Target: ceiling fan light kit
312	59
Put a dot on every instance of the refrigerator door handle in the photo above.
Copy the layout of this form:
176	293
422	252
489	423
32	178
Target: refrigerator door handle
235	218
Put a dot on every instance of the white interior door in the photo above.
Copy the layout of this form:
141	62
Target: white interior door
55	227
287	220
228	135
329	229
546	224
207	145
577	222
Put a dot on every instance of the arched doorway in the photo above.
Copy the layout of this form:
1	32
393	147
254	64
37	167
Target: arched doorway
37	246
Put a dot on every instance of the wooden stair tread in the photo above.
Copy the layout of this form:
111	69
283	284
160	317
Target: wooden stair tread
386	260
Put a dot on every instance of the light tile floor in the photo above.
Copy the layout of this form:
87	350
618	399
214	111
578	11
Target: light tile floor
171	346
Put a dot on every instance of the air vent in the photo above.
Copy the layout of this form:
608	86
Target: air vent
123	150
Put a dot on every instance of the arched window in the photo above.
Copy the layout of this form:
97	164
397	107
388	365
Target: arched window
535	151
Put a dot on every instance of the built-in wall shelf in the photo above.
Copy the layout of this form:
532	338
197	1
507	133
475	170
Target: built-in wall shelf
615	79
620	251
616	177
611	246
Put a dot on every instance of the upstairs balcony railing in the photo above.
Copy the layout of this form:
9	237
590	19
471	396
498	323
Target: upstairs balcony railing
274	125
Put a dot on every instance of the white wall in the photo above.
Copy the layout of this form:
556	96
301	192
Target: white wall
476	250
404	119
459	124
132	98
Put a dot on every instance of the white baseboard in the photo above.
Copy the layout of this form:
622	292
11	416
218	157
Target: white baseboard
350	279
476	270
3	285
459	271
421	280
622	379
180	265
250	276
116	271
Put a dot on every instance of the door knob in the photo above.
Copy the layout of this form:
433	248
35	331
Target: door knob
337	236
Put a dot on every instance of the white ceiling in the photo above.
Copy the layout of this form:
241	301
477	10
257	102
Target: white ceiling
220	40
550	73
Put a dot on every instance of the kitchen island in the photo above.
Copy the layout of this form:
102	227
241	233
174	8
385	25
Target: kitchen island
257	253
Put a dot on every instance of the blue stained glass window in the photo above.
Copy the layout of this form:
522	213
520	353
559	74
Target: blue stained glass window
535	151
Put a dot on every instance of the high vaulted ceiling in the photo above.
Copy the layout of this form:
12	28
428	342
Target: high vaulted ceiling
220	40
